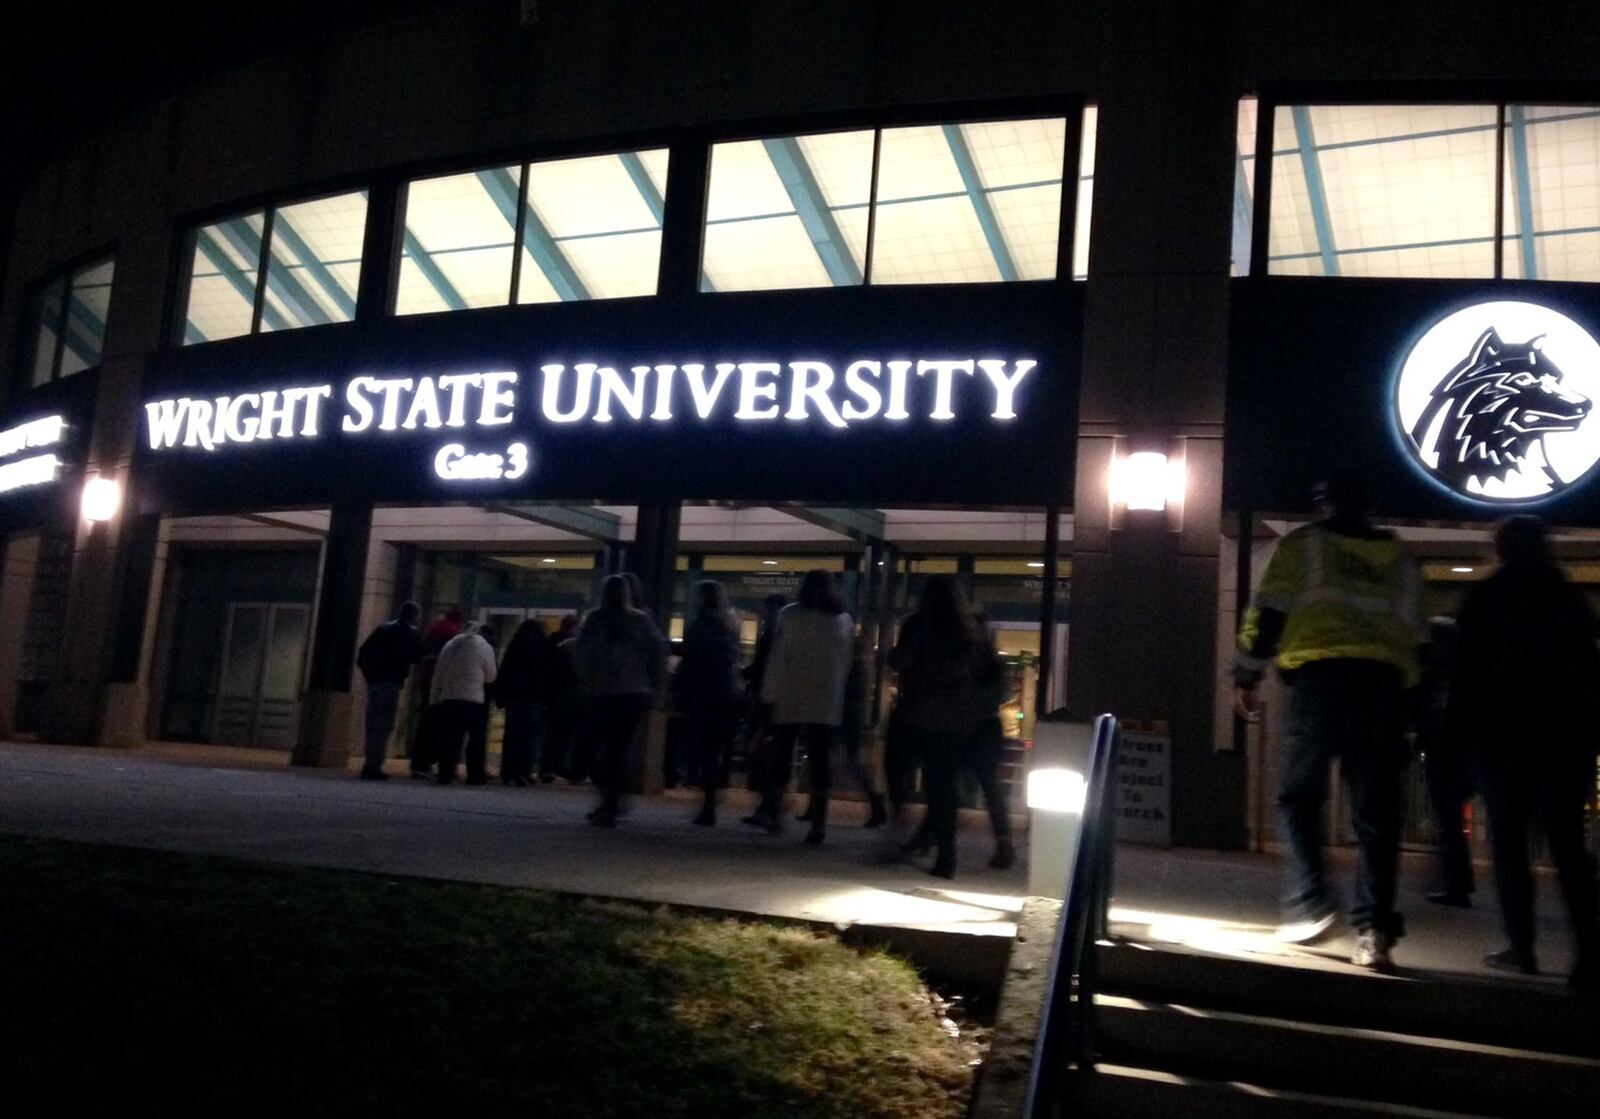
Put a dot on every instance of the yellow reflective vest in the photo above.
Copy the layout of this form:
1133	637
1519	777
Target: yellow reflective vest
1343	597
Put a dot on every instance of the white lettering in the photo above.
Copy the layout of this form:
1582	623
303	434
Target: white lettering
898	372
751	390
801	389
1005	387
943	376
355	398
551	401
499	402
612	387
34	433
391	388
424	407
36	471
855	382
705	399
164	422
237	429
663	408
455	386
314	398
274	413
199	432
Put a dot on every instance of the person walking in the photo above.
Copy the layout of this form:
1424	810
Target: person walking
385	659
853	738
1445	767
942	662
709	687
804	681
621	658
519	689
425	743
1337	610
461	682
759	741
565	706
1526	695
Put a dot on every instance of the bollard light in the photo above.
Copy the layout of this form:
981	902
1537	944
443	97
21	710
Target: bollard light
1056	790
101	499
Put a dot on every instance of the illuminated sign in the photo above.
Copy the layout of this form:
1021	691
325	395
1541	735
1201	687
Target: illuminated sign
1496	402
860	393
34	470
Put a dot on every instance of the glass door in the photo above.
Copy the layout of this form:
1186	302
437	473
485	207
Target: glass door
263	662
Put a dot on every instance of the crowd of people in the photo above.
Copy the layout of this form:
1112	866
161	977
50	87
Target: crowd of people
1506	698
574	701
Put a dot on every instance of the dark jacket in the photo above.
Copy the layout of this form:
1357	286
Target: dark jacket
1527	673
709	671
525	668
944	679
388	653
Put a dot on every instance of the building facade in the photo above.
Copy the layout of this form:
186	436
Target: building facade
482	302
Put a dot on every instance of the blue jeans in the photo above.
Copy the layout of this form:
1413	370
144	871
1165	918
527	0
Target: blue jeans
383	701
1350	710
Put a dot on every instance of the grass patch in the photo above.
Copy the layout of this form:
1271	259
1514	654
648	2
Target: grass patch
134	980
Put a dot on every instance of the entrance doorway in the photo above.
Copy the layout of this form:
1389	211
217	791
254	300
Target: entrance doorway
263	664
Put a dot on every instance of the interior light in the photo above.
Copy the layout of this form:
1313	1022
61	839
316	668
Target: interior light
770	563
1035	563
1462	570
1146	480
548	559
101	499
1052	789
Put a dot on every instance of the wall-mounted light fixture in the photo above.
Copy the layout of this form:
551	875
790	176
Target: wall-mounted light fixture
102	497
1145	482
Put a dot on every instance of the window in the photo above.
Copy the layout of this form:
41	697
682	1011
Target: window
1410	190
313	269
69	317
555	231
931	204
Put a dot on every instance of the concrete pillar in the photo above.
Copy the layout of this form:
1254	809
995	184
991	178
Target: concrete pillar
21	557
330	725
1142	642
654	558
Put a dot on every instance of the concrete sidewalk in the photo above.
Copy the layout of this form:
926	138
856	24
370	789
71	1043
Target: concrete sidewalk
251	804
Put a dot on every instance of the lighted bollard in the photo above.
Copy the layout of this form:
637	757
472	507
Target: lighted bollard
1055	803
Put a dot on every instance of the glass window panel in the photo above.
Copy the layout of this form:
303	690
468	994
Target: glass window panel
315	265
931	241
88	302
224	268
458	241
1085	207
1244	179
756	237
48	318
1552	207
596	228
1384	190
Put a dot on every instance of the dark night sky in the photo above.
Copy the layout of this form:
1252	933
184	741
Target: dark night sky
68	67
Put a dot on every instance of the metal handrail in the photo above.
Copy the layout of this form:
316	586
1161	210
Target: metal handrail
1066	1025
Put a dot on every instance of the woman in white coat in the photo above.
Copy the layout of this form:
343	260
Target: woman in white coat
806	673
459	691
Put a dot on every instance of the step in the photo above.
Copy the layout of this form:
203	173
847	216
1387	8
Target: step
1121	1090
1343	1060
1493	1012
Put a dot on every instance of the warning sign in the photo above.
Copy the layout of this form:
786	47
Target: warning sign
1144	783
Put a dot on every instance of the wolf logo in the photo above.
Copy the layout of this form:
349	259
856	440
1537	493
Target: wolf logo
1497	405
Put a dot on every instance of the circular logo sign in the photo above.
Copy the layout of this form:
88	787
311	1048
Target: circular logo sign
1497	401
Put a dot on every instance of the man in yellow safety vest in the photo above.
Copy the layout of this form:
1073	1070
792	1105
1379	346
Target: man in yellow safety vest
1337	610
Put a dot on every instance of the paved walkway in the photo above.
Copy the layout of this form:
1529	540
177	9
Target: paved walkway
250	804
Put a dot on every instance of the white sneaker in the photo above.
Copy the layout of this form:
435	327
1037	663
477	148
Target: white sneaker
1372	951
1310	930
